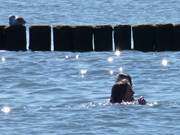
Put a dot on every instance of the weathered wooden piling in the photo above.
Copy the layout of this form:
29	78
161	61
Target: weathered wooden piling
63	38
40	38
122	37
82	38
159	37
164	37
144	37
103	38
2	46
15	38
176	35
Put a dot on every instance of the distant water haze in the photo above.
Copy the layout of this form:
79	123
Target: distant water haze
92	12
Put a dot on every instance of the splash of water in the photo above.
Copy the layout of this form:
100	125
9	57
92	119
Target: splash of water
117	52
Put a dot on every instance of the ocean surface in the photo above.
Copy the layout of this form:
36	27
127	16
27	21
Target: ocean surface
92	11
65	93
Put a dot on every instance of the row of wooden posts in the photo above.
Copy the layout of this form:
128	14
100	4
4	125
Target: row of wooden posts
159	37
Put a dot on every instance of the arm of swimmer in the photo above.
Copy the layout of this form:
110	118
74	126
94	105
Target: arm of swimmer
142	101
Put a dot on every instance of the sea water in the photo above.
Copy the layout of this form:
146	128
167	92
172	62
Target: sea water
91	11
68	93
64	93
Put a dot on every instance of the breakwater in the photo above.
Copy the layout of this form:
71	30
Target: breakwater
146	37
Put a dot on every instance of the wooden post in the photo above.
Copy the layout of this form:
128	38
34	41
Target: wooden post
40	38
122	37
103	38
144	37
15	38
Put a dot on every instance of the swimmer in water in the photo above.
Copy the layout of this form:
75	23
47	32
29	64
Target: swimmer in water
20	21
12	20
122	91
16	20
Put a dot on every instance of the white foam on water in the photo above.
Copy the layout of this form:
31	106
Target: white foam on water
117	52
152	104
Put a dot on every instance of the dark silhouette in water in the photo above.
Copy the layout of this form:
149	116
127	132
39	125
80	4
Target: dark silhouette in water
124	76
122	91
16	20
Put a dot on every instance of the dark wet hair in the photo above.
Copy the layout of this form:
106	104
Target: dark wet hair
118	92
124	76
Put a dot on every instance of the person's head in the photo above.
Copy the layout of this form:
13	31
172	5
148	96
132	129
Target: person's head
12	17
20	21
124	76
12	20
122	91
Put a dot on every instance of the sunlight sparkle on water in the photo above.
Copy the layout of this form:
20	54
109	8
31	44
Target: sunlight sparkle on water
110	59
66	56
6	109
111	72
117	52
120	69
77	57
164	62
3	59
83	72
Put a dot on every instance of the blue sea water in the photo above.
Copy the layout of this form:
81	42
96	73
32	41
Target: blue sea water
91	11
64	93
